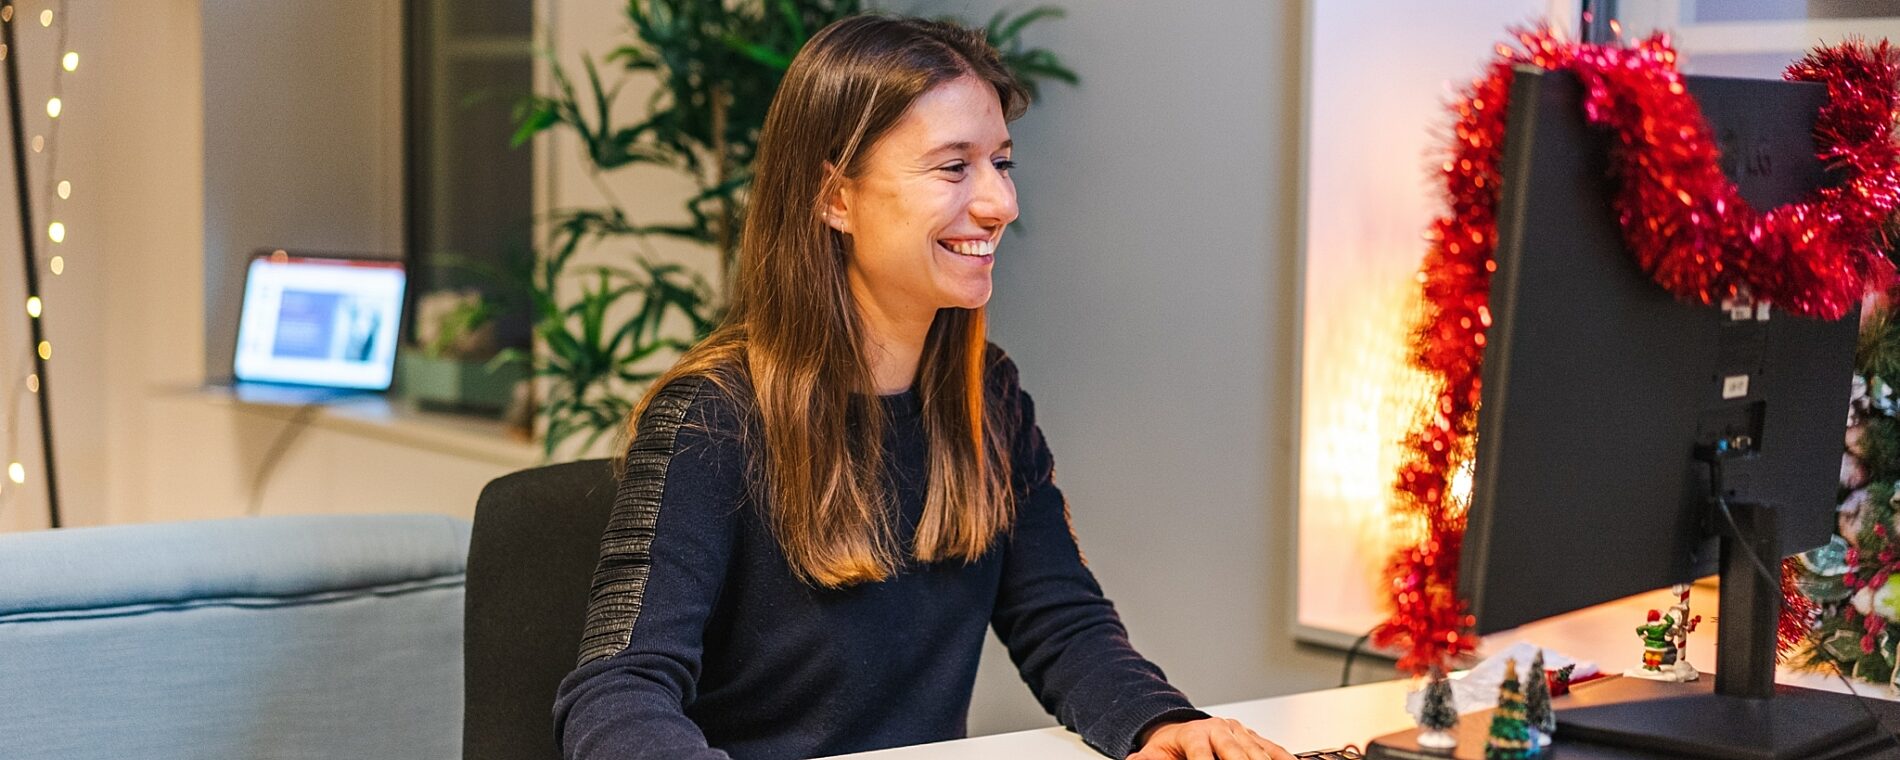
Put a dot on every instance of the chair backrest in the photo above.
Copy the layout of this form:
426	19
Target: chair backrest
530	567
273	637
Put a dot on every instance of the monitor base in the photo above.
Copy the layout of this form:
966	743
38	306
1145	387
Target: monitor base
1640	696
1796	723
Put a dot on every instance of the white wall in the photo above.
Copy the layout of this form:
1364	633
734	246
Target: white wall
303	140
1372	129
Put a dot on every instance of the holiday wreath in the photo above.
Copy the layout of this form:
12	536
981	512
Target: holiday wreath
1690	231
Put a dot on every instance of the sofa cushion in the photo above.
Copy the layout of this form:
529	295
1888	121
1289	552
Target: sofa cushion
282	637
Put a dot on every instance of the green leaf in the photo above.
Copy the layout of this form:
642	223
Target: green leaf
1007	32
762	54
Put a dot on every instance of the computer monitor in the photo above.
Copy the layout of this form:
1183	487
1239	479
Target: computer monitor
319	321
1607	404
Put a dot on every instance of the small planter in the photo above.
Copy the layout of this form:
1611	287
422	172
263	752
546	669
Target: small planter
457	385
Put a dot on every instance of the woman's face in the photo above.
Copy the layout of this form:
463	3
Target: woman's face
925	213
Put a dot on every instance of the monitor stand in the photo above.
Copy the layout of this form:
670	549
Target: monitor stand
1747	717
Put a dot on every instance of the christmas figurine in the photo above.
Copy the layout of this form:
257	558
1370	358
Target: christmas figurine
1438	717
1666	642
1678	660
1537	710
1656	641
1510	737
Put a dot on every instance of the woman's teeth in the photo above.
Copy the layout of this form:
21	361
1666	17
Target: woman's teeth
971	247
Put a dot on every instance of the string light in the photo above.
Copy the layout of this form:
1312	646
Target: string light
67	61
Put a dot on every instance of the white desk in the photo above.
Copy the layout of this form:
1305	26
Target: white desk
1299	722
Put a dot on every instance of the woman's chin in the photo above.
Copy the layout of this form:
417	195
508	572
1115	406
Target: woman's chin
971	297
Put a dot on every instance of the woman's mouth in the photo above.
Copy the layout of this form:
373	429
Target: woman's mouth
981	248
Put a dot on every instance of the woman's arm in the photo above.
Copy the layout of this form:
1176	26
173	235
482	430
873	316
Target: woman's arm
662	562
1062	633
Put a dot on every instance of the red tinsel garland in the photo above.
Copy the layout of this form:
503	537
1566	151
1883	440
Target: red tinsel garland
1687	225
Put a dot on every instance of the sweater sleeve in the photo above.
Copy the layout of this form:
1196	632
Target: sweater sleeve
1062	633
662	563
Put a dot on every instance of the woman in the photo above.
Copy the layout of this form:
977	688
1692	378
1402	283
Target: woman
828	500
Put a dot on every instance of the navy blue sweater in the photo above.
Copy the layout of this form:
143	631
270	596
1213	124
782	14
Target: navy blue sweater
701	644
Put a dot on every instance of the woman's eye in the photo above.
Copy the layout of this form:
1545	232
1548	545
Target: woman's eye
1004	165
955	169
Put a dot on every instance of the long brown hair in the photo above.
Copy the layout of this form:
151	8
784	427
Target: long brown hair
791	350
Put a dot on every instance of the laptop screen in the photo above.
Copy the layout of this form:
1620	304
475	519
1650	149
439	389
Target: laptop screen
320	321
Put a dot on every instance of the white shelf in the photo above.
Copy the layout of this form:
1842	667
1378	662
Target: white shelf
395	421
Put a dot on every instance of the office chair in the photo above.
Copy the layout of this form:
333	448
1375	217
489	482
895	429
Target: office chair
530	565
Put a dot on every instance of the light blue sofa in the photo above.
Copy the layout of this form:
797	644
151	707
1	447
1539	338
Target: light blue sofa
277	637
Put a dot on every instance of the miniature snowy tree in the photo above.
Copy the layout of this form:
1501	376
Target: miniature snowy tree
1537	701
1438	716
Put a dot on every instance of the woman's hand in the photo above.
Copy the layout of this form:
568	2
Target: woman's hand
1208	739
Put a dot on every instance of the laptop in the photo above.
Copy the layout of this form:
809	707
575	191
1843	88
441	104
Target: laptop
316	329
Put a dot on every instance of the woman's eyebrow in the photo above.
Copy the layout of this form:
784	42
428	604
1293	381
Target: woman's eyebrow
961	146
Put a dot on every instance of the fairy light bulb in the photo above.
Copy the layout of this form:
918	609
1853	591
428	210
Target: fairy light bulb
17	472
57	264
52	107
46	350
70	61
56	232
6	13
33	383
65	189
46	17
33	307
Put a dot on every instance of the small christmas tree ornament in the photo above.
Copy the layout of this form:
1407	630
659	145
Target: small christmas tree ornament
1438	716
1560	680
1537	702
1510	737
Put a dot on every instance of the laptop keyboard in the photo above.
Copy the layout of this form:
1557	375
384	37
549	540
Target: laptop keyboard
1346	753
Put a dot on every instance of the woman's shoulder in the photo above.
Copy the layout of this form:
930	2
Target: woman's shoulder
710	403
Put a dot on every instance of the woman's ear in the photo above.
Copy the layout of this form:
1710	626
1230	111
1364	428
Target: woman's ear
836	205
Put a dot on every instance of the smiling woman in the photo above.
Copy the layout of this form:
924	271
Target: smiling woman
828	501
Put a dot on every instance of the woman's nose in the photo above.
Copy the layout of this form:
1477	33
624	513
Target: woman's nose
994	203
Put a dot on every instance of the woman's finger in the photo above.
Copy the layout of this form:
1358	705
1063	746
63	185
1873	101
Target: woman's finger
1233	745
1198	747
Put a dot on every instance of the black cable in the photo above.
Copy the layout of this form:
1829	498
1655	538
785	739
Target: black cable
298	421
1862	701
1774	579
1345	675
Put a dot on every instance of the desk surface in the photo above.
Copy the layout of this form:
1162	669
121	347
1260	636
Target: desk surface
1300	722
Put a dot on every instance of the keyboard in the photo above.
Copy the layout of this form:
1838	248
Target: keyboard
1345	753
